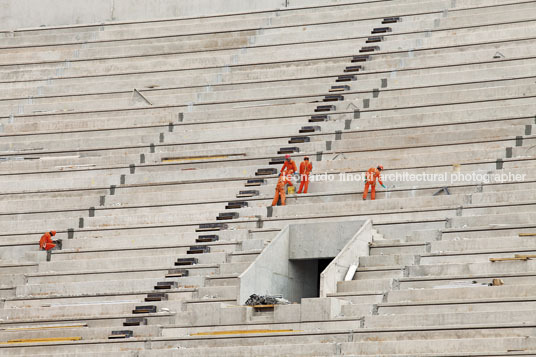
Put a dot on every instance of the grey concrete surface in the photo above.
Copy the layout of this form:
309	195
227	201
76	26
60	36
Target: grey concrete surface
455	95
20	15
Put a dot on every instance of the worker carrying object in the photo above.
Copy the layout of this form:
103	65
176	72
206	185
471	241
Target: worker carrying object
370	180
305	169
283	180
289	166
46	242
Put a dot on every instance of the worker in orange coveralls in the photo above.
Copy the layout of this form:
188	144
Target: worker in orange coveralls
289	166
284	178
370	180
305	169
46	242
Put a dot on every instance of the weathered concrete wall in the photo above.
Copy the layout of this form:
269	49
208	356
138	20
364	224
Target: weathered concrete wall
320	240
357	247
269	273
16	14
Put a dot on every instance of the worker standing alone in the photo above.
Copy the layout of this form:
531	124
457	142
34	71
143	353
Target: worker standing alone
370	180
280	188
305	169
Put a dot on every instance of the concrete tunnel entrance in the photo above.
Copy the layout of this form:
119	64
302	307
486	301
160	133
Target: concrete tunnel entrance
311	269
306	260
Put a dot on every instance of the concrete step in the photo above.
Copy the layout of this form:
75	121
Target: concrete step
110	263
364	285
422	320
358	298
438	347
377	248
217	292
233	268
461	293
391	348
466	244
386	260
463	268
119	286
115	320
155	273
520	278
59	330
254	325
179	294
243	257
357	310
222	280
81	311
379	273
464	306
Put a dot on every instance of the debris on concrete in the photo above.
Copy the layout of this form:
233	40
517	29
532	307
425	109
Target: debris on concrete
255	299
443	189
137	97
497	282
351	272
459	284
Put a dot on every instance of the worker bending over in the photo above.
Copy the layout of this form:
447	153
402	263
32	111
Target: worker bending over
370	180
305	169
289	166
280	188
46	242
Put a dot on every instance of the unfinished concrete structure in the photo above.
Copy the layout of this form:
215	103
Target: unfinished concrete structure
150	148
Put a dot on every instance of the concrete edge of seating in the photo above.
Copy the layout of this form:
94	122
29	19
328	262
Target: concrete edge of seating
253	323
81	296
84	318
18	264
476	252
455	302
379	268
488	228
186	245
463	277
112	271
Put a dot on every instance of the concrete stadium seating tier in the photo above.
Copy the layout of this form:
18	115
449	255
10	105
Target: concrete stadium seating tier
129	139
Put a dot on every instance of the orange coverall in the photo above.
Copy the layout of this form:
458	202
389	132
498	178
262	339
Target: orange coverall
46	242
370	180
280	189
289	167
305	169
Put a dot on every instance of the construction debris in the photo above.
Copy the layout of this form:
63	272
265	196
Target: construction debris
255	300
497	282
443	189
525	257
458	284
137	97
